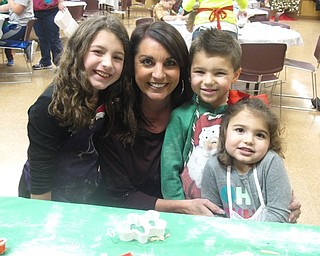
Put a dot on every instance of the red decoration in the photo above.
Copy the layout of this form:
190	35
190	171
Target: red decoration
235	96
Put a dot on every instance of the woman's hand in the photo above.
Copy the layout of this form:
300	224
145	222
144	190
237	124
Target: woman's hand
194	206
203	207
295	208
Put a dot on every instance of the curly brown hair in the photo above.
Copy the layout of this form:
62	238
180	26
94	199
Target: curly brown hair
74	101
259	109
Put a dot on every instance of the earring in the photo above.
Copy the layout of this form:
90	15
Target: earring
182	89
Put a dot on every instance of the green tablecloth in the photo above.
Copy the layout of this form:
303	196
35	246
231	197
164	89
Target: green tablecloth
34	227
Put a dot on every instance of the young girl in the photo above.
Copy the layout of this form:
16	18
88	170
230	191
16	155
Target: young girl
90	89
247	176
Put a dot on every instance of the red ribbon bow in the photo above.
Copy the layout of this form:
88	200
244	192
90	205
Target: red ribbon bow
235	96
217	13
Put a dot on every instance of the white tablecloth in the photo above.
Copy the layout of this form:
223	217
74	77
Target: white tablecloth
255	11
254	32
180	25
257	32
75	3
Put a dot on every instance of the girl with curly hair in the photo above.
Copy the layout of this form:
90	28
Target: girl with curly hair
89	94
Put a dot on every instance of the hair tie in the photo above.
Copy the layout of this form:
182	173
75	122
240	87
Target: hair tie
235	96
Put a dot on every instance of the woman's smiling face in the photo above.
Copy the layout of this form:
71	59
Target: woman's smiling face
156	72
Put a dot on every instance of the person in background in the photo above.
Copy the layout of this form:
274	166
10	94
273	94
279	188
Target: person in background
163	11
88	94
20	12
247	177
131	171
193	131
47	32
3	2
215	65
219	14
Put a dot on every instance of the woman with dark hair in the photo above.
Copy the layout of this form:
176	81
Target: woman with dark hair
131	172
89	90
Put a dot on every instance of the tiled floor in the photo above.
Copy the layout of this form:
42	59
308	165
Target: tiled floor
302	127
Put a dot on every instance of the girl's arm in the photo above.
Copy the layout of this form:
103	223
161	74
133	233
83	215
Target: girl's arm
43	134
209	184
277	189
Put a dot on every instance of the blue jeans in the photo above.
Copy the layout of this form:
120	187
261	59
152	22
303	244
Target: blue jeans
49	36
12	32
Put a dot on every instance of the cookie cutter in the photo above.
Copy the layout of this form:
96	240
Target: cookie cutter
3	245
141	227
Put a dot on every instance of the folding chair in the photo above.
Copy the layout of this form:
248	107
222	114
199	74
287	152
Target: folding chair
76	9
19	46
308	67
138	6
261	64
258	18
144	20
276	23
92	8
76	12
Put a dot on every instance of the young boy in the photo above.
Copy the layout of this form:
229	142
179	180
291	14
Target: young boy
193	131
163	11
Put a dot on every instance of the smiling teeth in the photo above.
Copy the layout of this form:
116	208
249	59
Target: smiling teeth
102	74
158	85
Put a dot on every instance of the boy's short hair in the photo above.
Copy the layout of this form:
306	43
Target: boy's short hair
217	43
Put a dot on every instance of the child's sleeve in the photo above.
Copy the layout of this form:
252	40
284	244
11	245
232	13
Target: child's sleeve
277	191
172	159
159	12
209	183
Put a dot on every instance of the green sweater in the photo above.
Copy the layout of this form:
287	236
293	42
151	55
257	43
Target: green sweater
178	145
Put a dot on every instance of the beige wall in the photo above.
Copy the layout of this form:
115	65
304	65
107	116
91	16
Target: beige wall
308	10
148	3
